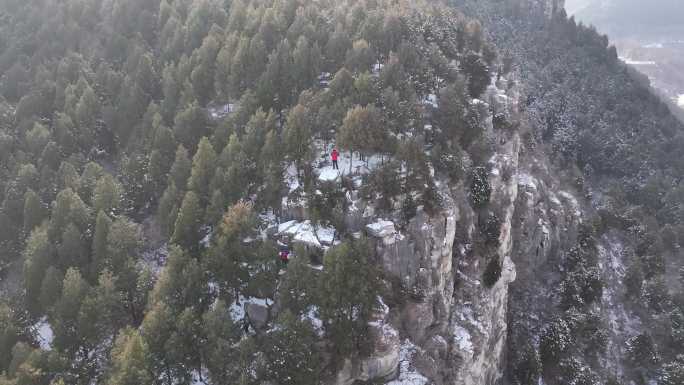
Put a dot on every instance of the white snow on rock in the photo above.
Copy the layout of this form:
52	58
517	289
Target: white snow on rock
285	226
408	375
326	235
221	111
265	302
237	309
462	339
381	229
45	334
305	232
308	237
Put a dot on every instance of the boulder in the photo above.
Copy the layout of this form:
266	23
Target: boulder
257	314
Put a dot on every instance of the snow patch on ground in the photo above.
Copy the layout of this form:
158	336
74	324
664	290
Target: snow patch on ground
237	311
573	202
462	339
206	240
328	174
291	178
638	62
431	100
408	375
316	322
155	259
468	316
196	377
528	181
45	334
621	324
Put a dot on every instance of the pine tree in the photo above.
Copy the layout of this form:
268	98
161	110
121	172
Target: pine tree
130	361
292	357
38	255
51	288
87	113
71	250
451	111
135	183
99	245
67	335
673	372
185	344
203	166
181	284
107	299
298	289
187	229
123	244
171	92
348	294
10	331
202	75
306	63
65	133
297	136
156	330
216	206
361	57
555	340
106	195
181	169
67	177
219	350
272	169
478	74
190	124
92	172
361	131
36	138
167	210
227	254
33	211
342	84
158	169
365	89
480	189
27	177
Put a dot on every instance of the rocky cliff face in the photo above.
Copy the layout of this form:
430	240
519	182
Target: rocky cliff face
453	329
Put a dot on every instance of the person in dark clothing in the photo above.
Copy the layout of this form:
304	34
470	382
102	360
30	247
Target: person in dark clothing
334	155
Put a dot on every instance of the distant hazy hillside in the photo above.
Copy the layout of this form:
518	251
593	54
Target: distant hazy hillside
631	16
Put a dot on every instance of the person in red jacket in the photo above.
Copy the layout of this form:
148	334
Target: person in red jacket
333	155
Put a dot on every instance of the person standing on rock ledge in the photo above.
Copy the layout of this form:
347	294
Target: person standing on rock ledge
334	155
